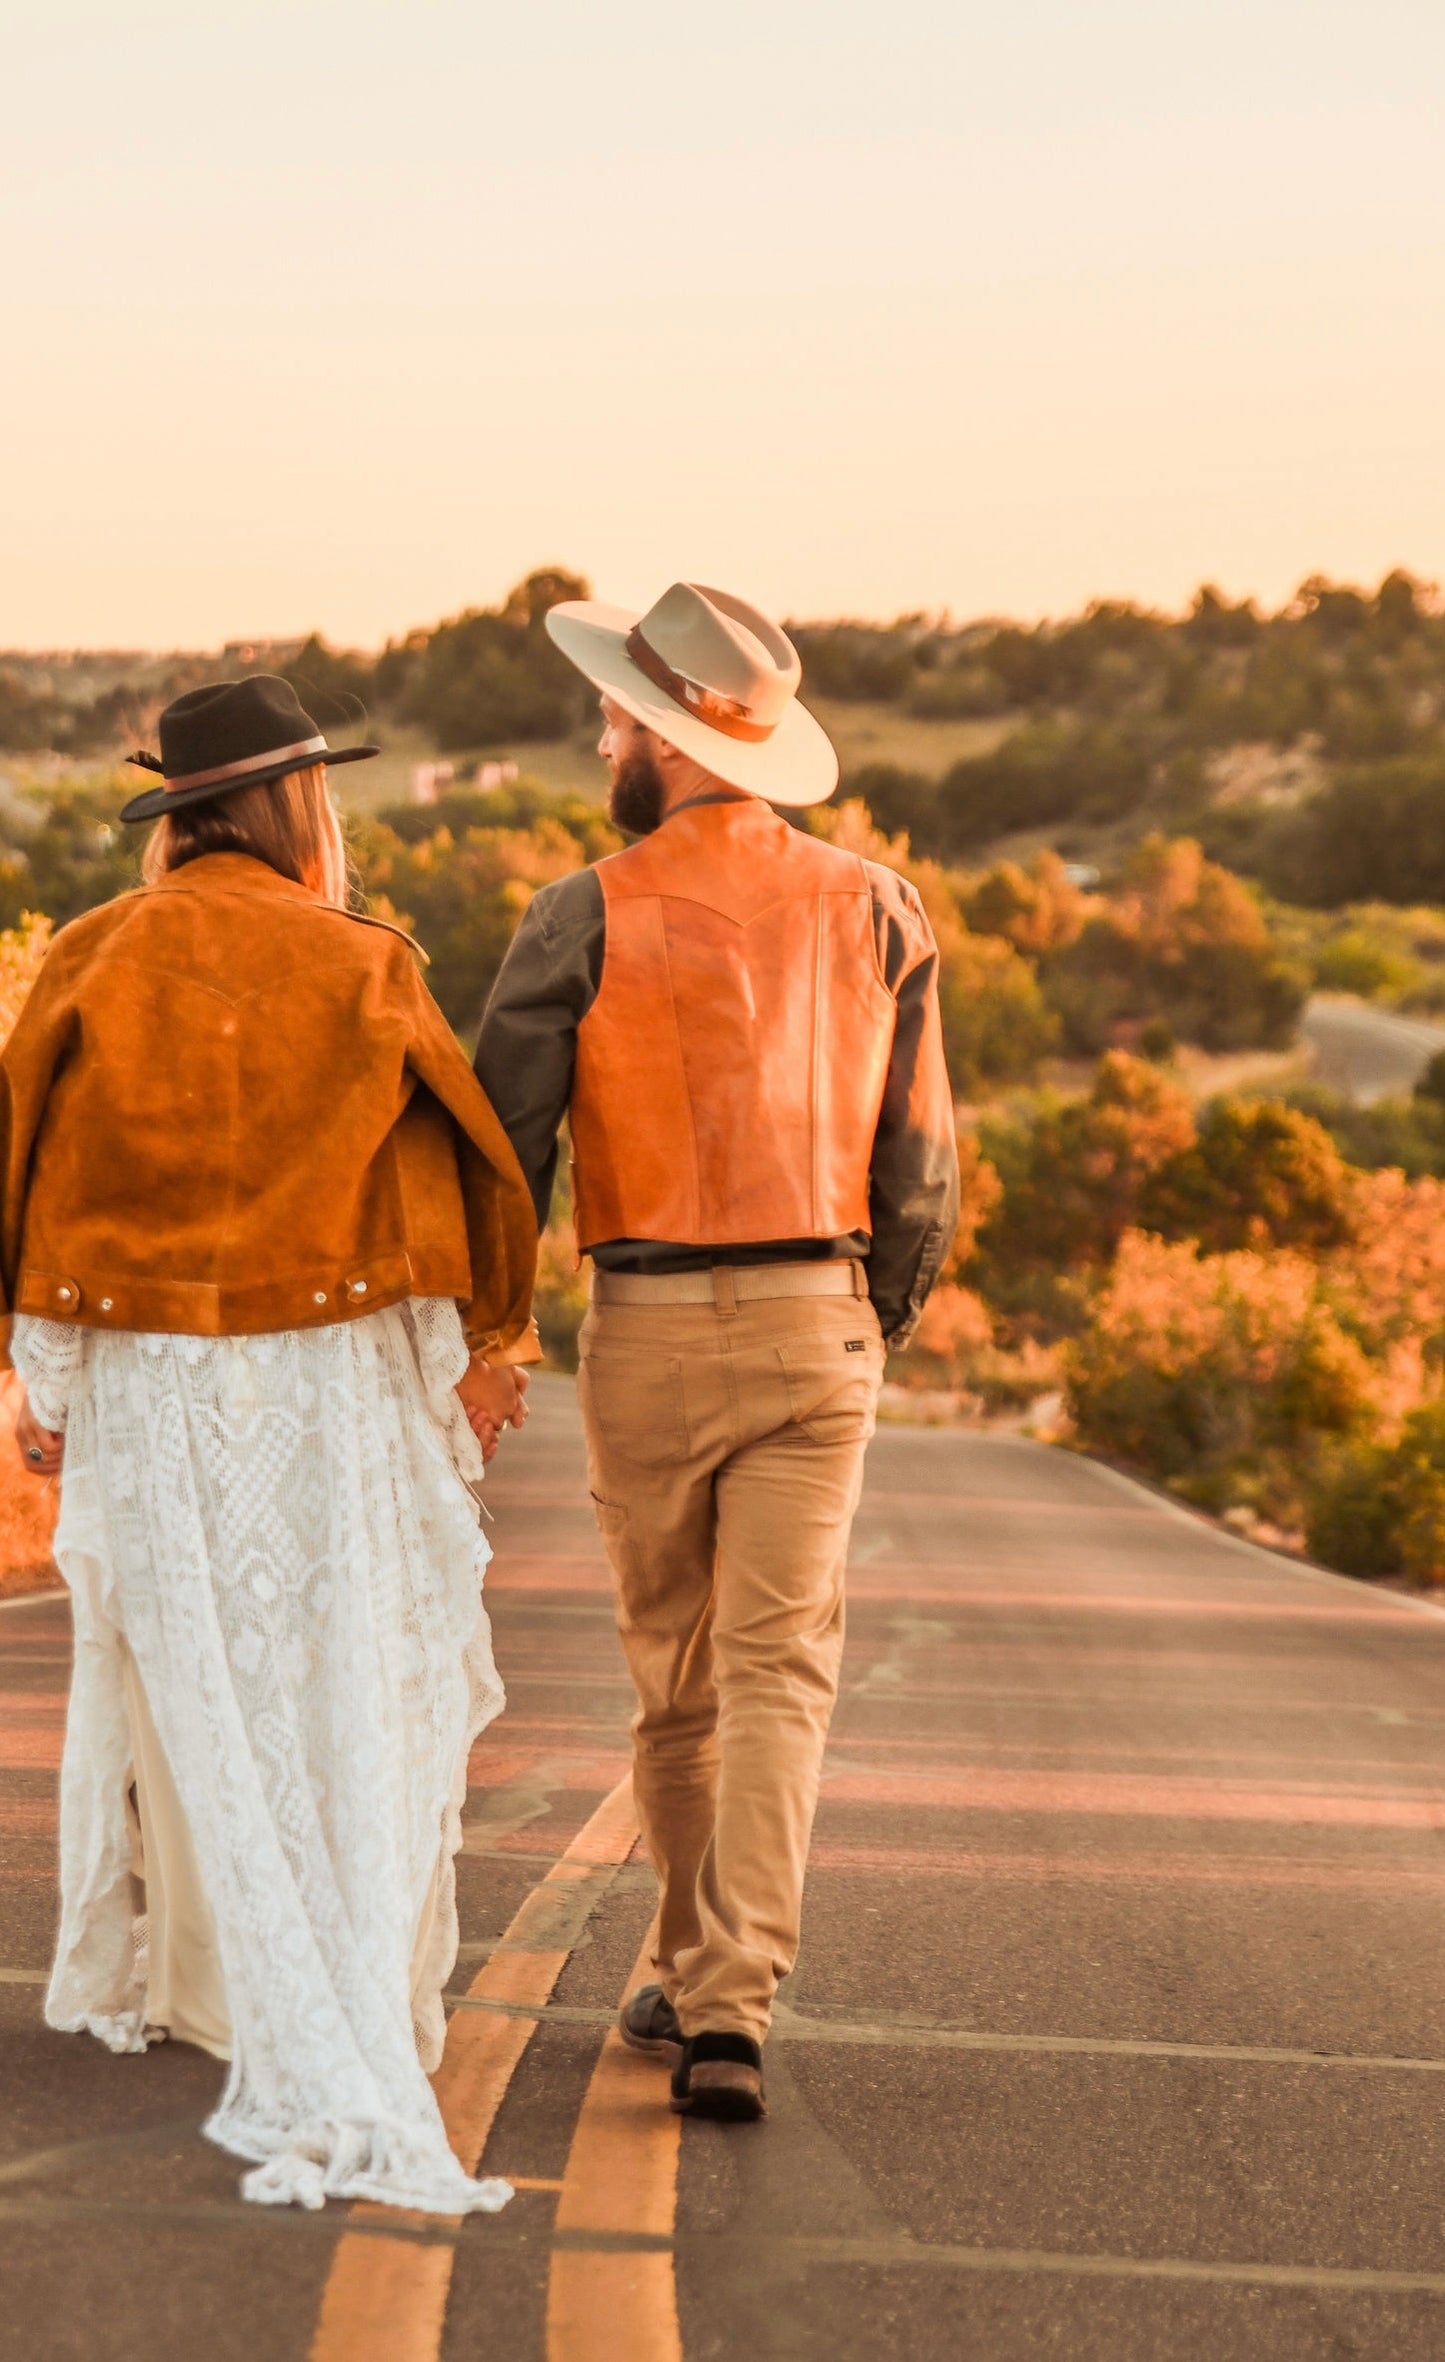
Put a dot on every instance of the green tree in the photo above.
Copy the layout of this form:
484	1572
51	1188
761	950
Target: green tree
997	1027
1074	1172
463	898
1182	940
492	675
1037	909
1258	1175
1225	1375
1374	832
1378	1508
335	685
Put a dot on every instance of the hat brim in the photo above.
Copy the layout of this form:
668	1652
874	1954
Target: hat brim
157	801
796	765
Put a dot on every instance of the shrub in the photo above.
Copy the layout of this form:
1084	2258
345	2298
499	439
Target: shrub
1046	772
997	1027
1379	1509
1037	909
1259	1175
464	897
27	1511
1074	1171
22	949
1375	831
492	674
1386	1285
896	800
1355	960
1222	1374
561	1299
1353	1512
1180	940
1409	1133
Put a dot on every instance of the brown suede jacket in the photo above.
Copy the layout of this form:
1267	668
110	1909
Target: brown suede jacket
228	1107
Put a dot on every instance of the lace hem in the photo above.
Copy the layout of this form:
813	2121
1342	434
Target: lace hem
386	2163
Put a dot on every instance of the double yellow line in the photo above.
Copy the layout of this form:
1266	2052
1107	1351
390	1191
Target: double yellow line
386	2297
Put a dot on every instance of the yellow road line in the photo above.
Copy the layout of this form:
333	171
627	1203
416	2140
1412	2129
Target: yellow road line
385	2298
621	2175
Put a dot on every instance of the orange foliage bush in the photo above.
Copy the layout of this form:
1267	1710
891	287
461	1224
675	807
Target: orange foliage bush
1221	1373
22	949
27	1509
1272	1379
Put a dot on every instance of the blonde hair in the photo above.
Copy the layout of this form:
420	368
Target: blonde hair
289	823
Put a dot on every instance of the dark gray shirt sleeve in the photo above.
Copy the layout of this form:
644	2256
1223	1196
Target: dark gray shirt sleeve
913	1176
528	1047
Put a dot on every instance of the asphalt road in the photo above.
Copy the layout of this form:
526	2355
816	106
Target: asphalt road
1368	1053
1118	2035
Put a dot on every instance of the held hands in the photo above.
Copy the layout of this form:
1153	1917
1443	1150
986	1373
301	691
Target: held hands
40	1450
493	1401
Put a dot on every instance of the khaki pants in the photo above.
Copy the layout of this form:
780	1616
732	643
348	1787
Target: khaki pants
725	1446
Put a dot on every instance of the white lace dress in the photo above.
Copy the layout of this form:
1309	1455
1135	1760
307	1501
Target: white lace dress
283	1530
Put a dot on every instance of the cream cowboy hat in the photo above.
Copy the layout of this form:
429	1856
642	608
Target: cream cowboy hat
712	676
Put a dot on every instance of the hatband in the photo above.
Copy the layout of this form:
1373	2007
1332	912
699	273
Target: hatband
710	706
249	763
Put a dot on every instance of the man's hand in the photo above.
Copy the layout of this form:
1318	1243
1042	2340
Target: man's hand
40	1451
493	1401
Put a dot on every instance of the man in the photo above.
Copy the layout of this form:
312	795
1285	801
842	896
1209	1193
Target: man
741	1024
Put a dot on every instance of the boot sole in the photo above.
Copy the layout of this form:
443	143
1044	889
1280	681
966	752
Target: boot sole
651	2046
728	2093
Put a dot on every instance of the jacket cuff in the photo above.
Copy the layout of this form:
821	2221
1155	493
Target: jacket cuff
505	1349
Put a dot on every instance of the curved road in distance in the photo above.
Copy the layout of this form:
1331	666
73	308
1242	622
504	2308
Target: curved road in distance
1366	1052
1118	2033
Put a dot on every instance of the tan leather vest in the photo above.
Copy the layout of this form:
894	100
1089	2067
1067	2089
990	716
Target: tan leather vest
731	1070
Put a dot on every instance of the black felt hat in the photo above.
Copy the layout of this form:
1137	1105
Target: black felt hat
232	734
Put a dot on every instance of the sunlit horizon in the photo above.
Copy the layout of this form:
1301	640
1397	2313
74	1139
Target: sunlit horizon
344	319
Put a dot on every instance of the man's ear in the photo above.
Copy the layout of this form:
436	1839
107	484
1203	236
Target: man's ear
668	758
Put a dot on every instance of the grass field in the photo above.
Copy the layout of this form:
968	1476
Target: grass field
572	766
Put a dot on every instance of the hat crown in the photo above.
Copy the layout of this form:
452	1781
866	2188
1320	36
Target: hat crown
721	643
232	722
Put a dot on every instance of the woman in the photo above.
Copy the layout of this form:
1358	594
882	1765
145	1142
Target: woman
267	1252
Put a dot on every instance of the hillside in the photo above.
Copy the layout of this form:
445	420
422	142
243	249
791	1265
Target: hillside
1305	749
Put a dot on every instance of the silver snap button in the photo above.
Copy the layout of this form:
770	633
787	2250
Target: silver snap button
106	1304
63	1295
358	1287
319	1297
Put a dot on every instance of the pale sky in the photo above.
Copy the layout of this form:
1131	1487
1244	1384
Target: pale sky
345	315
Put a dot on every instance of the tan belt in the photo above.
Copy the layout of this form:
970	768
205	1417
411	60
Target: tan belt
729	1283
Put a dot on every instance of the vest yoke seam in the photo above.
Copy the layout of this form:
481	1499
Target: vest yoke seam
753	918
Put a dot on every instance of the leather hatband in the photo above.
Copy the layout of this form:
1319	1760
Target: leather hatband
709	705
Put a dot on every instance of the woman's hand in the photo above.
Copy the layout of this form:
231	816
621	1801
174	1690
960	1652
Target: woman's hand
492	1400
40	1451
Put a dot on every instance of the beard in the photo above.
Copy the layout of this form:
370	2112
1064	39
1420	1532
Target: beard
638	794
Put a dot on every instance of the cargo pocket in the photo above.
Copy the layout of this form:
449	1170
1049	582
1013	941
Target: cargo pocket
634	1404
611	1516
